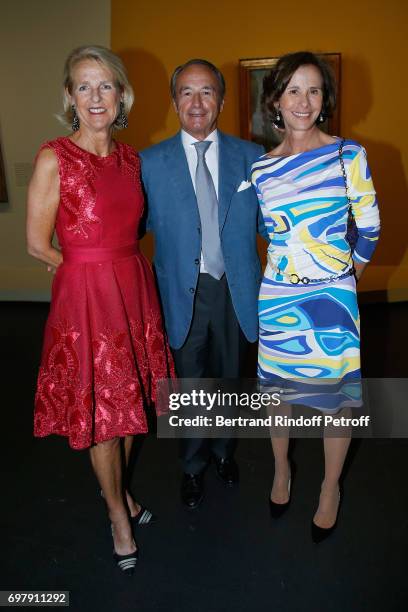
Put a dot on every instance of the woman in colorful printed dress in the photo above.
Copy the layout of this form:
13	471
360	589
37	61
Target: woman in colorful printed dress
104	345
308	312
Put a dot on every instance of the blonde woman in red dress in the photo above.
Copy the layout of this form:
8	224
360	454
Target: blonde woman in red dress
104	346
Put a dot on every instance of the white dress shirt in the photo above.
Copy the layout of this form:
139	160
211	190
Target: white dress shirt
211	158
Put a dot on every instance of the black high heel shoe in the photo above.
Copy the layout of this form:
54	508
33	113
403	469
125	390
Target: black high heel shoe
142	518
126	563
321	533
276	510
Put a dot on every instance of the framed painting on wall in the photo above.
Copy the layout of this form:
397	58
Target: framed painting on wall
255	120
3	186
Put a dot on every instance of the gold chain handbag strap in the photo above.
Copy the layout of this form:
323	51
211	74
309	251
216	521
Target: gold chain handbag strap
352	230
343	169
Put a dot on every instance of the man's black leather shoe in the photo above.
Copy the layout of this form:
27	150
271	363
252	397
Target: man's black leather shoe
227	471
192	490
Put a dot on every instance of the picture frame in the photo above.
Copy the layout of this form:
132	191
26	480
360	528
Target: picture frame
3	184
255	121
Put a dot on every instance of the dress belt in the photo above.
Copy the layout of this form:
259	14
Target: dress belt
98	254
295	279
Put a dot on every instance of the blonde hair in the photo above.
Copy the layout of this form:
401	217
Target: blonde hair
112	62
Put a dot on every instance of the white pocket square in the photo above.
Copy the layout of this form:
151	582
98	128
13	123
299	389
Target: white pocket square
244	185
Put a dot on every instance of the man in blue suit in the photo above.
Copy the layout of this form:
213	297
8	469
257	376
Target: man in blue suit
204	215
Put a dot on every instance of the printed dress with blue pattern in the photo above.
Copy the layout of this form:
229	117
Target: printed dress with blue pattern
309	334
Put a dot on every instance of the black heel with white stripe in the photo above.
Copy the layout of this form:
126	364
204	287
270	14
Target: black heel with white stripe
143	517
126	563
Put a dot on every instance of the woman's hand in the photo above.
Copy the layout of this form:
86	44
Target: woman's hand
42	206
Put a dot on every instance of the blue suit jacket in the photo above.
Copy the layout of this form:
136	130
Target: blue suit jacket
173	217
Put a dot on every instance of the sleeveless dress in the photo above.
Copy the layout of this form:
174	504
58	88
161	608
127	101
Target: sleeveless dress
309	336
104	345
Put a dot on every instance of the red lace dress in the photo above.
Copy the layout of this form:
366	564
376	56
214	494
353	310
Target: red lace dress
104	347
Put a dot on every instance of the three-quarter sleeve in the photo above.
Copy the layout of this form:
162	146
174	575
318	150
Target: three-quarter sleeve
364	206
265	223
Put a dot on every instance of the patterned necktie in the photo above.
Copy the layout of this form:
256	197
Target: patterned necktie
208	208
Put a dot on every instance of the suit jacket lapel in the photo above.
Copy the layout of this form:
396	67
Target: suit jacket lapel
229	165
178	171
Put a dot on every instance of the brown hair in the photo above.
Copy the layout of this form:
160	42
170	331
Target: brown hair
275	83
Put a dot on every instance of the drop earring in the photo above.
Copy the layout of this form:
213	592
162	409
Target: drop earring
277	120
75	119
122	120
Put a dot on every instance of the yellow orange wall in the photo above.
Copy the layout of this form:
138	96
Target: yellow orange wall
35	39
155	36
